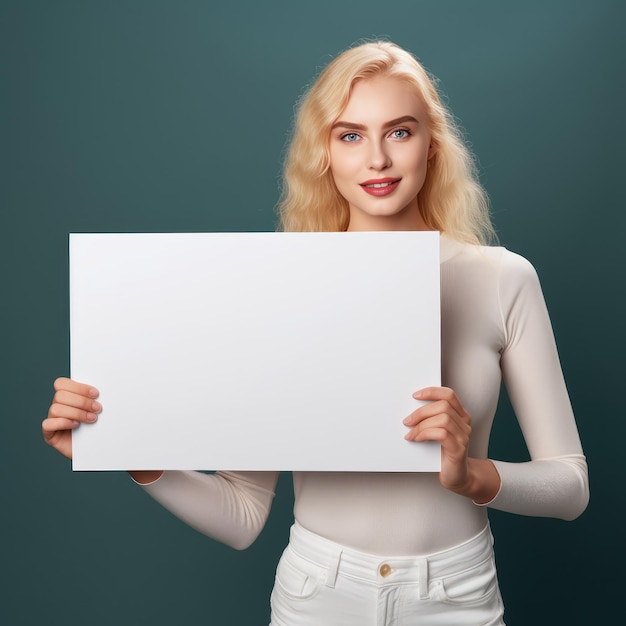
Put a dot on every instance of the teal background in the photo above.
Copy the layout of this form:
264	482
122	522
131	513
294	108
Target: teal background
173	116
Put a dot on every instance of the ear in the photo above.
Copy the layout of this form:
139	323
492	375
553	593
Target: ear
432	150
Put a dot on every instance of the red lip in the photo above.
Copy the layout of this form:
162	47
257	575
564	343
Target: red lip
389	185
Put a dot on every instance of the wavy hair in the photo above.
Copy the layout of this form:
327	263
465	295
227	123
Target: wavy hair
451	200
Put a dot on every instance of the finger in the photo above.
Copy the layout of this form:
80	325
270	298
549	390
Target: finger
63	411
67	384
440	435
454	446
436	407
68	398
440	393
441	407
54	426
452	449
442	422
58	434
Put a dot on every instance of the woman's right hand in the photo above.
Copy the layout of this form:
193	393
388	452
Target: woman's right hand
73	404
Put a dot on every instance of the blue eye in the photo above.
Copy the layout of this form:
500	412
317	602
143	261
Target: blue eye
350	137
400	133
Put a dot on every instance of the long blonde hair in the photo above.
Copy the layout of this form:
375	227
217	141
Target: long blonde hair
451	199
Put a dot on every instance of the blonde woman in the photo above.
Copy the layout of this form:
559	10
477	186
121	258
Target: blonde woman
373	148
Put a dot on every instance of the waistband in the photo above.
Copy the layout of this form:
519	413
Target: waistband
380	570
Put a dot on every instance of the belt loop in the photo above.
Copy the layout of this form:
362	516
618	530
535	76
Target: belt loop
422	578
333	569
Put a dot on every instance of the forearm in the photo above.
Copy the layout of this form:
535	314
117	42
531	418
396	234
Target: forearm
229	507
556	487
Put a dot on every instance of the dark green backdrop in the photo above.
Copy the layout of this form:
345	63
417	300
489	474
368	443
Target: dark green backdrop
172	116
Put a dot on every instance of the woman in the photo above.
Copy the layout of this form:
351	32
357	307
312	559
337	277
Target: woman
374	149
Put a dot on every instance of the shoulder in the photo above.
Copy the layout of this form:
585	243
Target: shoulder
515	264
519	291
497	261
517	274
493	260
489	270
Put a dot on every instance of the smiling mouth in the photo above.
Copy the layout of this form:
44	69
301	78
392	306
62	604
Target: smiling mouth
378	183
380	187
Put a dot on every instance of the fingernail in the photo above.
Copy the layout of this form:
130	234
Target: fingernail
96	406
93	392
406	420
91	417
417	395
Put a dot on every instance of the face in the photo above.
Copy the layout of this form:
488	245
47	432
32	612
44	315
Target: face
379	150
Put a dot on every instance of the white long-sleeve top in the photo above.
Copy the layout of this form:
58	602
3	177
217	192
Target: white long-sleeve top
495	327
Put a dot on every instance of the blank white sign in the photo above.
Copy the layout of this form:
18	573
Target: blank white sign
255	351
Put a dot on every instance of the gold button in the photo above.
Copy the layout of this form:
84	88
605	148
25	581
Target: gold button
385	570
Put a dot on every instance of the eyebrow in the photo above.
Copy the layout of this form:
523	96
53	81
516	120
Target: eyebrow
353	126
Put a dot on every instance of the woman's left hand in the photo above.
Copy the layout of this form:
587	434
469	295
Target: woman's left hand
444	419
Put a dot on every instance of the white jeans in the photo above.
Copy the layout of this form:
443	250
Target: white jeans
321	583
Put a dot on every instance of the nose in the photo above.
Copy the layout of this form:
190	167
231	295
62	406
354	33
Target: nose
379	157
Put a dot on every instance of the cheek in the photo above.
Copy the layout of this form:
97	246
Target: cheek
336	176
418	168
340	174
341	166
418	163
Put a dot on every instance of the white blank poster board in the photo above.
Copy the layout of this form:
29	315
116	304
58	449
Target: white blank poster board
254	351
